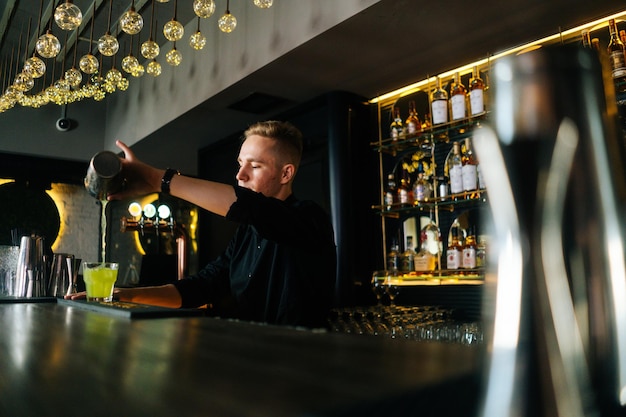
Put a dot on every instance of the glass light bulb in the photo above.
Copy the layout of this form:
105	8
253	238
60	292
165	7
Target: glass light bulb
129	63
227	23
62	86
150	49
23	82
114	76
123	84
204	8
173	30
138	71
97	80
108	45
131	22
263	4
197	41
134	209
99	95
35	67
73	77
48	46
88	64
154	68
68	16
164	211
174	57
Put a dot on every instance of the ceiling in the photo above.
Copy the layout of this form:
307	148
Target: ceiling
388	45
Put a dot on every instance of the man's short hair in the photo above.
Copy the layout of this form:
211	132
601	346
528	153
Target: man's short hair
288	138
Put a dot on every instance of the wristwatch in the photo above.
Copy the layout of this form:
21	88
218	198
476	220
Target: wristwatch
167	179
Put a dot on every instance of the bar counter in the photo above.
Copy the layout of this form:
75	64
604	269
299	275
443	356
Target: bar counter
61	360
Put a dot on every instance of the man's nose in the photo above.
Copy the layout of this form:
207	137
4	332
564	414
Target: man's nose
241	174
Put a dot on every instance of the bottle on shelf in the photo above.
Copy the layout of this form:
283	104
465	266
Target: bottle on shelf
433	243
396	128
469	250
391	191
424	260
439	104
426	122
469	169
456	241
615	50
481	252
405	193
422	189
458	97
413	124
455	169
407	259
476	93
586	39
393	257
443	188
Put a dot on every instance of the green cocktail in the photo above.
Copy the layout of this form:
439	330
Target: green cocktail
99	280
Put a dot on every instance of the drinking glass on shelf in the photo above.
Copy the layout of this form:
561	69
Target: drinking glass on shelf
392	289
379	279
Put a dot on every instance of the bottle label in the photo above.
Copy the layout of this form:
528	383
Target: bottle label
477	104
454	259
393	262
458	106
618	64
424	261
389	198
407	264
411	128
440	111
456	179
420	192
469	257
469	177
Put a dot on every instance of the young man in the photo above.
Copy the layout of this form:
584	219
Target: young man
280	265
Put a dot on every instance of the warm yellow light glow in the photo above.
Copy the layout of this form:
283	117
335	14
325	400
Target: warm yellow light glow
57	196
557	37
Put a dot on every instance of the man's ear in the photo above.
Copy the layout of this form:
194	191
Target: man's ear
289	171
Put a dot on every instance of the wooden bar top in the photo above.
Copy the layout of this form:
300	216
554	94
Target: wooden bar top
59	360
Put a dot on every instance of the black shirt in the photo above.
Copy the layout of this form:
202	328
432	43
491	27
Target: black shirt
278	268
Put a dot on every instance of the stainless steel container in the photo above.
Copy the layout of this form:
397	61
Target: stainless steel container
104	175
553	161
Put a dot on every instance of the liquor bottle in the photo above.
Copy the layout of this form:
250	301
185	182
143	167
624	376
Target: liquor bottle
413	124
616	52
468	170
405	194
422	190
432	244
391	192
476	94
424	260
586	39
455	169
481	252
455	246
595	44
439	104
407	260
396	128
457	98
426	123
469	251
393	257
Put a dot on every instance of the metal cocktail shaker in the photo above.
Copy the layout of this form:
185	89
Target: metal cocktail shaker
30	278
553	161
104	175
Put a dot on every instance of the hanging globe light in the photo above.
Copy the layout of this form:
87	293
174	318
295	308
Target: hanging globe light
68	16
197	41
173	30
35	67
138	71
154	68
174	57
263	4
150	49
204	8
227	23
129	63
123	84
48	46
131	22
108	44
88	64
23	82
114	76
73	77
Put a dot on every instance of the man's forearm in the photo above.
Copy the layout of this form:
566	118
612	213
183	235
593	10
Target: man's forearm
163	295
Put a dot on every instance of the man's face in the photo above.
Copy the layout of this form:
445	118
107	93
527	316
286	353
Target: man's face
259	168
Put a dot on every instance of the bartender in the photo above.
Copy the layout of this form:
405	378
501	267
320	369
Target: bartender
280	265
